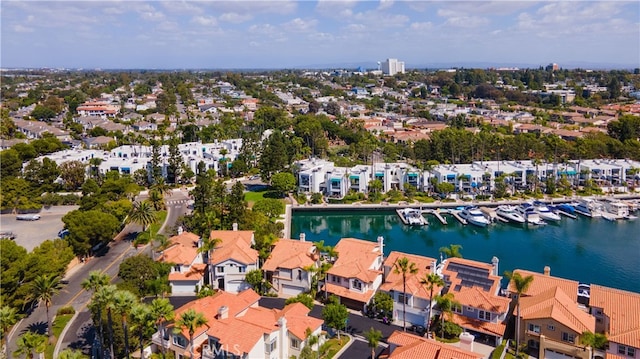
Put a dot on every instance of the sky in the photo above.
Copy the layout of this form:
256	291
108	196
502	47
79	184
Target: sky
287	34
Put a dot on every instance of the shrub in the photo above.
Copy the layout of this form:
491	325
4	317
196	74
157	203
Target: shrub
66	310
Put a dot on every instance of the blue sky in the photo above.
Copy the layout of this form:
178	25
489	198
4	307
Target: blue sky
279	34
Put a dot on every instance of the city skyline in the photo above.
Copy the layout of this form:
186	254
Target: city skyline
296	34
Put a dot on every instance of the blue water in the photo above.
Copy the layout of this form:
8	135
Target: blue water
587	250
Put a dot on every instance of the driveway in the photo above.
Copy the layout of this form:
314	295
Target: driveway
30	234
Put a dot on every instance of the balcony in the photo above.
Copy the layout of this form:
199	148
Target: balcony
207	353
166	343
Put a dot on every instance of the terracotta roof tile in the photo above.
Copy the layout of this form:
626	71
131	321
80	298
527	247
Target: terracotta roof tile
478	298
555	303
411	346
393	281
542	283
196	273
341	291
355	257
452	277
234	245
183	250
490	328
290	254
622	308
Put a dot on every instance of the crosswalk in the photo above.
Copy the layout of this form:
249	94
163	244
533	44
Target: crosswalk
179	201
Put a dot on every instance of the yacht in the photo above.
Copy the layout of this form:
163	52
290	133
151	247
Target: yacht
474	216
588	207
544	212
412	217
566	207
509	213
530	214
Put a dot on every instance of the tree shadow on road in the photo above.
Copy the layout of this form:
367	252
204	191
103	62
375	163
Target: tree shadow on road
85	337
36	327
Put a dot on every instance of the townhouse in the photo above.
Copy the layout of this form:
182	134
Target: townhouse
552	320
476	286
405	346
237	327
417	298
357	273
231	259
617	315
289	266
99	108
188	268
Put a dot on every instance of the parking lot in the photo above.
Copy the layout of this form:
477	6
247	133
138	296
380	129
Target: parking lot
29	234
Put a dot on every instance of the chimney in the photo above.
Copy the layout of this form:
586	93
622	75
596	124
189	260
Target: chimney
283	337
434	264
223	312
302	237
547	271
466	341
180	230
495	262
381	244
235	226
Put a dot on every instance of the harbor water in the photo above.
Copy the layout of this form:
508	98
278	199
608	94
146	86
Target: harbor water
588	250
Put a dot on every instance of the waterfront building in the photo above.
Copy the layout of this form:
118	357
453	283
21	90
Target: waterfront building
404	346
476	287
287	268
357	273
232	258
552	320
188	265
417	298
617	315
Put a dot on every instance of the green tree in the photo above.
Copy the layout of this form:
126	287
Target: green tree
283	182
8	317
303	298
72	174
383	301
373	337
142	213
123	302
104	298
142	321
30	342
255	279
594	340
236	205
270	207
72	354
274	155
94	282
89	228
446	303
43	289
11	164
138	271
431	281
162	311
191	320
521	285
207	247
335	315
445	188
453	251
404	267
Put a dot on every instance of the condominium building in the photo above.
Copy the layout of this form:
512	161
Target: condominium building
392	66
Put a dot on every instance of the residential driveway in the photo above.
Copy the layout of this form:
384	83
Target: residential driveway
359	349
29	234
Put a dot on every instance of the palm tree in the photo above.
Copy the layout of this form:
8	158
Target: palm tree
161	186
453	251
142	213
521	285
431	281
29	342
104	298
162	310
8	317
93	282
446	303
404	266
43	288
208	245
142	319
123	301
156	199
71	354
373	337
191	320
594	340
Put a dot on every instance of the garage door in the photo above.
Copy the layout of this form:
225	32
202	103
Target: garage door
292	290
412	318
551	354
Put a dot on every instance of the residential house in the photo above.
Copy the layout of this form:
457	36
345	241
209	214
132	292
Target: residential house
188	267
476	286
232	258
98	142
617	315
417	298
552	320
409	346
357	273
287	268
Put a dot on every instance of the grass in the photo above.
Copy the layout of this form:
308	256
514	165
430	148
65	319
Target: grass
253	197
58	325
497	352
161	215
334	345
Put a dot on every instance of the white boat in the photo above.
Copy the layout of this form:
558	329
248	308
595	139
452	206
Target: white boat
545	213
413	217
509	213
530	214
474	216
588	207
617	208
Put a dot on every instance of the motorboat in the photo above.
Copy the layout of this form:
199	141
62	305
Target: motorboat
588	207
566	207
617	208
474	215
412	217
528	211
545	213
509	213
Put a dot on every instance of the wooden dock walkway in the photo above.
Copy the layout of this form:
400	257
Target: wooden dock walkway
436	212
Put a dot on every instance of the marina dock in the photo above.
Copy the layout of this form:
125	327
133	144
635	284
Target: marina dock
436	212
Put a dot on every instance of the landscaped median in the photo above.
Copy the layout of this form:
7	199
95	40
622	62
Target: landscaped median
334	346
62	318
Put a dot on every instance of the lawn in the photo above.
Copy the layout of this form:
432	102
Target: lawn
58	325
332	346
161	215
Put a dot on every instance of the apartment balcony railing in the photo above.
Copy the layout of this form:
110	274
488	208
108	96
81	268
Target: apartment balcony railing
160	341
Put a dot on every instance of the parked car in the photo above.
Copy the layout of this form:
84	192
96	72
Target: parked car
7	235
418	329
28	217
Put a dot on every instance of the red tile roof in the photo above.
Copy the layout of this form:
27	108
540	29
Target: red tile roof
411	346
623	310
355	258
234	245
394	282
290	254
556	304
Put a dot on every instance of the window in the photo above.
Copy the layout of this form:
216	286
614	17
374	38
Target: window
551	327
299	274
625	350
220	269
356	284
295	343
471	309
403	298
176	268
180	341
535	328
568	337
484	315
242	269
457	309
270	347
335	279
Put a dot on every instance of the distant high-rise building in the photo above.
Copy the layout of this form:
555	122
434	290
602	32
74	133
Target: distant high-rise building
553	67
392	67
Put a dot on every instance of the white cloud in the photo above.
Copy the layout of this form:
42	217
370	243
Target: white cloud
300	25
22	28
181	7
262	29
335	8
421	26
152	15
205	20
468	22
254	7
385	4
235	18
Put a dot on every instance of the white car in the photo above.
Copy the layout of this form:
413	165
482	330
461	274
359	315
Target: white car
28	217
